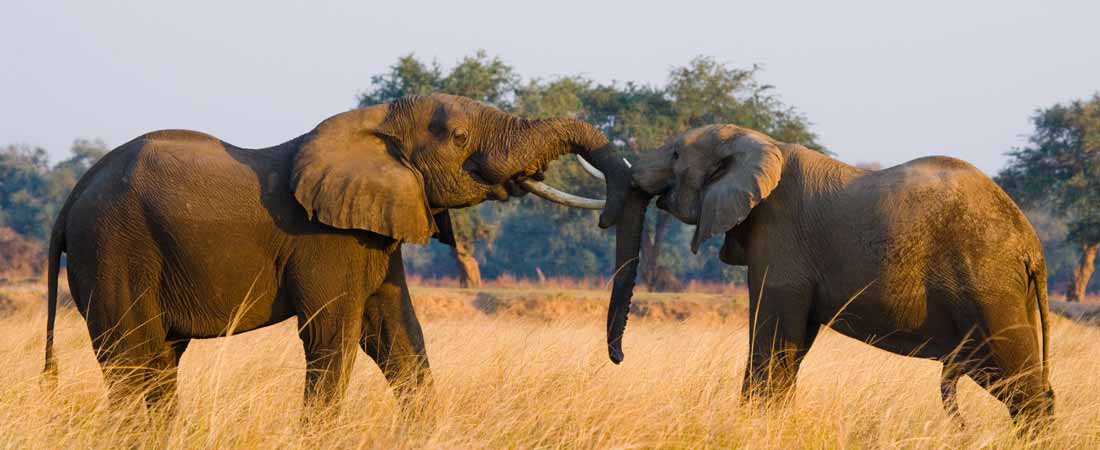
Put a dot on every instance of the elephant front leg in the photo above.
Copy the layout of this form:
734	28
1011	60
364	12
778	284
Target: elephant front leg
392	335
780	335
330	354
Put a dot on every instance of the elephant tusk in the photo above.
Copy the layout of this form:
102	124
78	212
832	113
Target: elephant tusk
627	163
592	170
574	201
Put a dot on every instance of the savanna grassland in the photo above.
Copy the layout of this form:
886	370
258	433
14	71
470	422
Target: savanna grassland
527	368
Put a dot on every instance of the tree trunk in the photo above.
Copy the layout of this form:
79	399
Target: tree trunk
651	251
1082	273
469	272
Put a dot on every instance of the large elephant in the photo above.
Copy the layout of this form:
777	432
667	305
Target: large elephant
929	259
177	235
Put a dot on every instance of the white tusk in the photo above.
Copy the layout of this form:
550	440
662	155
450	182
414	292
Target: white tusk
545	191
627	163
591	169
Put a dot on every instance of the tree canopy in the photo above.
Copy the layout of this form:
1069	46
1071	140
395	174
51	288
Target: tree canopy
31	194
1059	173
528	237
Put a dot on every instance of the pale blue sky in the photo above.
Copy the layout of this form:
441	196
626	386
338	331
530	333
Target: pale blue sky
882	81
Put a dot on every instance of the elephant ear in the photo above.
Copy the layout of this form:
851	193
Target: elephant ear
752	167
350	173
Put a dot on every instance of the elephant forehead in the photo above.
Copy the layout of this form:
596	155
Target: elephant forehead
456	106
709	135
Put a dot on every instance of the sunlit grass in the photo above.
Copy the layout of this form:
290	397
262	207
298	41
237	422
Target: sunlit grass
515	383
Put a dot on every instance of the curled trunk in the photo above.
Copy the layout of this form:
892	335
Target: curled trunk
521	146
515	145
628	240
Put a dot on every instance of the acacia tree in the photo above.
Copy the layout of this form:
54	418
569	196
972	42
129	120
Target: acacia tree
479	77
1060	172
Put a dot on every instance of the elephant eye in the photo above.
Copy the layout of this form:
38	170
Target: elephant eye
460	137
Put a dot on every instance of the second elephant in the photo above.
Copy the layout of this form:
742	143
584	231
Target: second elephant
929	258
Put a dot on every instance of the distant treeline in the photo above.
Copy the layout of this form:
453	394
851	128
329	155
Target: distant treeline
1054	178
532	238
31	193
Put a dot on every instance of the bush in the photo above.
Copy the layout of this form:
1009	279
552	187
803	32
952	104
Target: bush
20	257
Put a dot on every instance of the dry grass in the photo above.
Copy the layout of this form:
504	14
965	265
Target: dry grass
508	281
516	383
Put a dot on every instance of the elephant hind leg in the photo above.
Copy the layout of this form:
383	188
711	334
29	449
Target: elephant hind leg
949	384
1013	374
130	341
161	390
1031	405
132	367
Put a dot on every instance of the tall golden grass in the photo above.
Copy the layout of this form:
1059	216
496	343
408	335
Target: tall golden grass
516	383
508	281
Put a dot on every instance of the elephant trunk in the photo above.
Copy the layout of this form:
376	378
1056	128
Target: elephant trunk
518	146
628	240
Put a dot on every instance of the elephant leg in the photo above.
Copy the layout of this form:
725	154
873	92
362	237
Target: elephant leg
1012	371
129	338
780	335
161	393
178	347
329	342
392	335
949	384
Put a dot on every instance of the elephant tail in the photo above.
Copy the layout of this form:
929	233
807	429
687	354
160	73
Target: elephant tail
1038	274
57	246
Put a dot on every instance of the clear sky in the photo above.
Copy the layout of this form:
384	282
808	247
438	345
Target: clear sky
882	81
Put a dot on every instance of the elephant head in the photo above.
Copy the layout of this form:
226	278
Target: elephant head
710	177
389	168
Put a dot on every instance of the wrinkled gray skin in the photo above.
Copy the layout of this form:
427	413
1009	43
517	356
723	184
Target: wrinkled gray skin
928	259
177	235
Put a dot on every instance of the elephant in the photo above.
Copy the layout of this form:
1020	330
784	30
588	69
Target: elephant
177	235
929	258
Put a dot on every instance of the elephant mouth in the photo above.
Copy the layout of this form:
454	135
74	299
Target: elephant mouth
478	178
530	180
550	193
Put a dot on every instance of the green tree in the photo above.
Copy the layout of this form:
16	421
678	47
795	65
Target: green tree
538	237
529	237
479	77
636	118
703	92
31	194
1060	172
25	191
